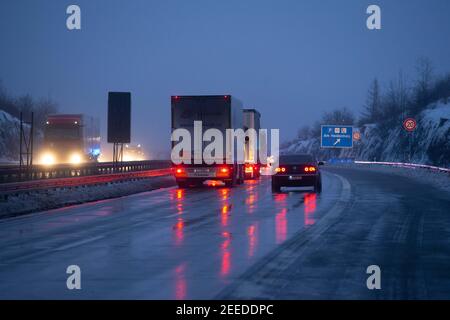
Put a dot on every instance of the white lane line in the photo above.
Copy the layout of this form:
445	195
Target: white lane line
78	243
253	283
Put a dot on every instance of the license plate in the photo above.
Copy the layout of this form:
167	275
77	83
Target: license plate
295	177
201	173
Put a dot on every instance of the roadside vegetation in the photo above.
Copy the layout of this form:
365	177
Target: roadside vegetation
381	117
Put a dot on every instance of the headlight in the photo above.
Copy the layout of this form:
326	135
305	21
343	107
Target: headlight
48	159
75	158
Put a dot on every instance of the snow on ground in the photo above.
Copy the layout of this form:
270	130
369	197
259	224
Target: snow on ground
9	136
28	202
430	143
440	180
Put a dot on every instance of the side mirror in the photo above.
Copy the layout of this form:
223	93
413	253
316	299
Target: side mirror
320	163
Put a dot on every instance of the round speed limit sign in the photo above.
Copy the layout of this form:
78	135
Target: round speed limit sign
409	124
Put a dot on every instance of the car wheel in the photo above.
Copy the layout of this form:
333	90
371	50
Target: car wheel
275	187
318	187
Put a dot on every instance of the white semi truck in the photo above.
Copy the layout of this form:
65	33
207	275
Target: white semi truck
219	112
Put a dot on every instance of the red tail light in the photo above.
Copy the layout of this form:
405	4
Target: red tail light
223	172
180	172
310	169
280	169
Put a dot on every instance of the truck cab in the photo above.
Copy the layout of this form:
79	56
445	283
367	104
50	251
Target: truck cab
70	138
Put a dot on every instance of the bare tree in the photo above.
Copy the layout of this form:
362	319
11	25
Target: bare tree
441	88
42	109
304	133
25	103
339	116
372	108
424	82
6	102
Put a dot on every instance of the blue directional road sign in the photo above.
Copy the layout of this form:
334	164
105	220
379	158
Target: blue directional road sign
336	136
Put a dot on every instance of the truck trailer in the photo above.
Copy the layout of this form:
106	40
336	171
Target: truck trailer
219	112
70	138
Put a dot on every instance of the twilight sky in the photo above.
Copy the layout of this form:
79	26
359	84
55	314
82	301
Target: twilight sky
291	60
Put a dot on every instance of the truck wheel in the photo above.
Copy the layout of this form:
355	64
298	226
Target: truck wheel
229	184
232	183
241	176
182	184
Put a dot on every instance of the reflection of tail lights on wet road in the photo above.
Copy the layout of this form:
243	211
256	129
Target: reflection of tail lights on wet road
281	226
310	208
252	240
226	255
180	282
178	231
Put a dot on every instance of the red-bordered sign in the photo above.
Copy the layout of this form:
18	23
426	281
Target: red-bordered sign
409	124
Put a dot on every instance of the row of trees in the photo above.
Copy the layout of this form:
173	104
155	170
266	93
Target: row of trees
27	104
401	98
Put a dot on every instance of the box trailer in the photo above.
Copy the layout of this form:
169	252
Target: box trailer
220	112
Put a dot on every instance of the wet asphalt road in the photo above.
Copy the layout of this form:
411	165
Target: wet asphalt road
243	242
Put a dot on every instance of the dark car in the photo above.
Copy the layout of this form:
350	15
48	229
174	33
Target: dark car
298	170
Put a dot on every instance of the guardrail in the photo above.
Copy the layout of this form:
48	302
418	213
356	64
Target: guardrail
9	174
405	165
17	187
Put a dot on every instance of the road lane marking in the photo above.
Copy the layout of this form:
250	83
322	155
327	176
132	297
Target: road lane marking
78	243
252	283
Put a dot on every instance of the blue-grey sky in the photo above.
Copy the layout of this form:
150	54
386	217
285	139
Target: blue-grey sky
292	60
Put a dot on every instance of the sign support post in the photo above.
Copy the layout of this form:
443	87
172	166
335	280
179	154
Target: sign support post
410	125
119	122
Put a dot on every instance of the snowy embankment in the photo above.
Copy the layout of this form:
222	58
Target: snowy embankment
435	178
429	144
9	138
34	201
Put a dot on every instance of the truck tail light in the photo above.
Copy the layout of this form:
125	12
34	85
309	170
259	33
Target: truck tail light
280	169
180	172
223	172
310	169
249	169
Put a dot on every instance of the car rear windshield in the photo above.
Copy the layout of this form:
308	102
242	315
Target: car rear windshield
295	159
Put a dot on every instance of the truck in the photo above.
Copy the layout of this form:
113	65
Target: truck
252	165
133	152
219	112
70	138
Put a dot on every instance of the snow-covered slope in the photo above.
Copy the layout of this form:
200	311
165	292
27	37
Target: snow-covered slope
9	137
429	144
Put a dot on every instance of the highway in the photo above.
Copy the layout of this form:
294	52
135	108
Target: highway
239	243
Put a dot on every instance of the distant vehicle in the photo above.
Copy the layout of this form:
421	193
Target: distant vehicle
252	165
299	170
70	138
132	152
216	111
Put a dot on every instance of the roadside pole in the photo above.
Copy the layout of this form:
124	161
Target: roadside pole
410	125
